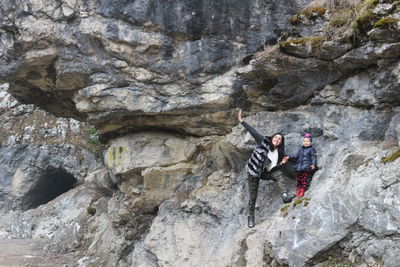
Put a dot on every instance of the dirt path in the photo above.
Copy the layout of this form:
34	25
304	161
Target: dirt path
30	252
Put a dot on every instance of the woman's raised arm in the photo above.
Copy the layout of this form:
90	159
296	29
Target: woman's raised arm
256	135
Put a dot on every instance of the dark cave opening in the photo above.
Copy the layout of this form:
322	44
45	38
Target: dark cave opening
51	184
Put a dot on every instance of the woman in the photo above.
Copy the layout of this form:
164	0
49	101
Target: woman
263	164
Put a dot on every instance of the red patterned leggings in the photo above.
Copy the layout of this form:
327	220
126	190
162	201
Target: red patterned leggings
303	180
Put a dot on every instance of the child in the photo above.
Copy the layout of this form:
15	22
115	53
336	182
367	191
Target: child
306	162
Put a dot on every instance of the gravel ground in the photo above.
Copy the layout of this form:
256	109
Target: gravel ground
30	252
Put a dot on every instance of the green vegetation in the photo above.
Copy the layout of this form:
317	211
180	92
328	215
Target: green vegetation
365	16
91	210
93	138
310	13
366	4
314	41
337	262
303	200
348	22
364	19
386	23
354	20
341	17
91	130
361	18
285	209
392	157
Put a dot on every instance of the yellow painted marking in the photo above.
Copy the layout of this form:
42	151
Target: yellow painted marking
116	156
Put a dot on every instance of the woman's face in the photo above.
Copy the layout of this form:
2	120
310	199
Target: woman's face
277	140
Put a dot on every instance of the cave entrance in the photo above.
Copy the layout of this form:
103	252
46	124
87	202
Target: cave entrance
51	184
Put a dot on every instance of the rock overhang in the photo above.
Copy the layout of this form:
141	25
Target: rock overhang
89	62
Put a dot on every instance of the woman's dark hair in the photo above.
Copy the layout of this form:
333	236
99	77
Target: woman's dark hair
281	147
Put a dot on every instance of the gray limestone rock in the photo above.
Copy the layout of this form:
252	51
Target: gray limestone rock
162	82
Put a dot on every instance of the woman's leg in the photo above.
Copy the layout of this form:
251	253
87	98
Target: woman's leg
253	190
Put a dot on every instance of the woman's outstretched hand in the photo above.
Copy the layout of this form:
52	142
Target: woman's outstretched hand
240	115
284	160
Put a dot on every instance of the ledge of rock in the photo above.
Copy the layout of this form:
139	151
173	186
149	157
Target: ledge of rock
166	65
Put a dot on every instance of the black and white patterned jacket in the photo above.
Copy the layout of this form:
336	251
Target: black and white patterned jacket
258	159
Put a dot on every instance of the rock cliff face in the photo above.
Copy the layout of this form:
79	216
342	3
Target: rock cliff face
162	82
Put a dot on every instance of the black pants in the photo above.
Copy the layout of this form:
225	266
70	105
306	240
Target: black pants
278	176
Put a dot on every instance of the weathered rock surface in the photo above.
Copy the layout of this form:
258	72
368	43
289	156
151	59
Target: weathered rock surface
45	161
160	81
35	147
142	62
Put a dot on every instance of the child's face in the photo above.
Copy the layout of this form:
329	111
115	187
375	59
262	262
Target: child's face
306	142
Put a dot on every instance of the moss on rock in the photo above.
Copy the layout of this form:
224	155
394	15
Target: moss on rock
337	262
365	15
315	40
303	200
386	23
285	210
341	17
311	13
392	157
364	19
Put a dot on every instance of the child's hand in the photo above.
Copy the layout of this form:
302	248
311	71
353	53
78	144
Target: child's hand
312	167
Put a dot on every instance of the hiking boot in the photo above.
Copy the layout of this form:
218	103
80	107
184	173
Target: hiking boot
250	222
286	197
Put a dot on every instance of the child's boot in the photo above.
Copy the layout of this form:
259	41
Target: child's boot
297	192
301	192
